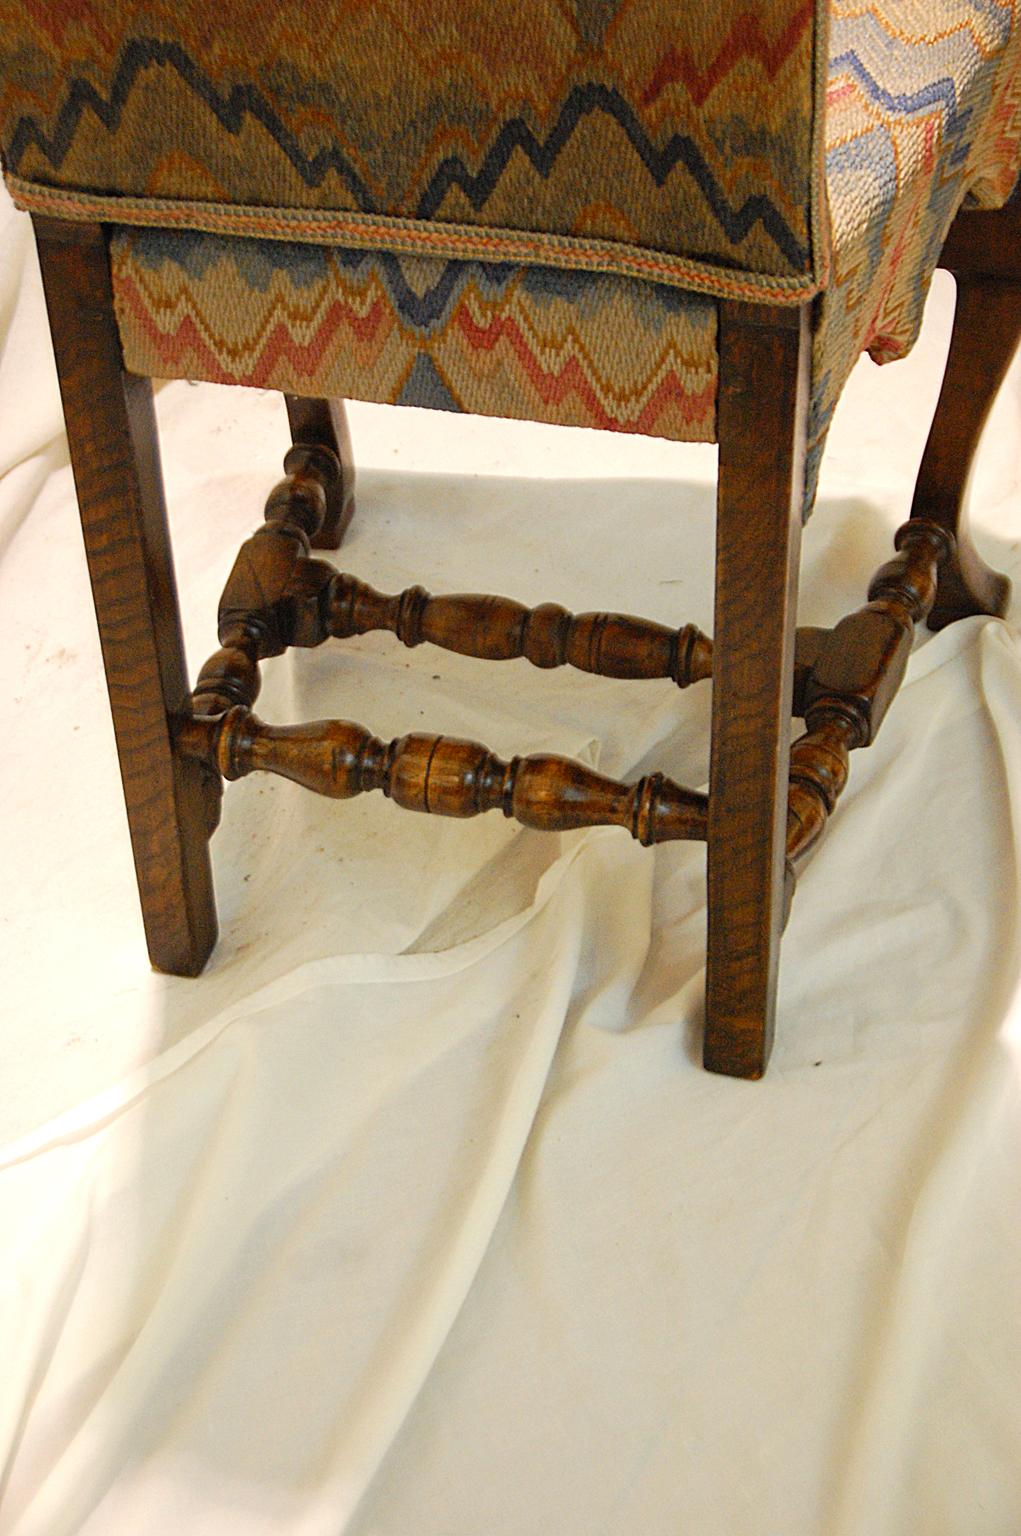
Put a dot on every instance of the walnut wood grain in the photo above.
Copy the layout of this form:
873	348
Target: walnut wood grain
253	615
861	662
323	423
858	669
761	416
172	803
983	251
444	776
500	629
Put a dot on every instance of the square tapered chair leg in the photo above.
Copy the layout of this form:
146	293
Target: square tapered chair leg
761	427
172	803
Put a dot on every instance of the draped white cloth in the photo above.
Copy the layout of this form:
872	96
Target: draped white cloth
417	1214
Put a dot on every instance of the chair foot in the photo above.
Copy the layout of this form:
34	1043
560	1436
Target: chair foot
969	586
323	423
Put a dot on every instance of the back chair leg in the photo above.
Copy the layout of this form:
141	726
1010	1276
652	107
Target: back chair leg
172	802
323	424
764	354
984	253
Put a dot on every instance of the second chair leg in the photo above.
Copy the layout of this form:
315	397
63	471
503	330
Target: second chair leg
761	430
984	253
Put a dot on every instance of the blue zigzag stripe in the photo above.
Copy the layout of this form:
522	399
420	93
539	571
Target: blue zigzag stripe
423	307
582	101
246	101
231	111
935	93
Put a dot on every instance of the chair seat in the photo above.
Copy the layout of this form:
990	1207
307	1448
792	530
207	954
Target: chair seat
596	134
538	230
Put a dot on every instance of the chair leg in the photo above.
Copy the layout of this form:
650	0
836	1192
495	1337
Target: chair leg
984	253
171	803
324	423
764	354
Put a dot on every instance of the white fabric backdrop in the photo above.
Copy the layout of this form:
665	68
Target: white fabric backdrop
417	1214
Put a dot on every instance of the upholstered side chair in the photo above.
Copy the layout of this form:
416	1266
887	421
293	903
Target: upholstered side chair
680	220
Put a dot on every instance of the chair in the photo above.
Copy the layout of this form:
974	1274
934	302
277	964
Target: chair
685	221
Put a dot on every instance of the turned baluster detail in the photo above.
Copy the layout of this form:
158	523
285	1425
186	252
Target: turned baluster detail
253	612
444	776
909	581
820	760
277	595
860	664
854	677
326	603
231	675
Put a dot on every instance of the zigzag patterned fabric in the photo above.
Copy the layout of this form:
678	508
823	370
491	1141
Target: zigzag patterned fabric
923	111
536	343
650	139
526	221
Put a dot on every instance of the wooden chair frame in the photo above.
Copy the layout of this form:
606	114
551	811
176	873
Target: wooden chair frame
767	802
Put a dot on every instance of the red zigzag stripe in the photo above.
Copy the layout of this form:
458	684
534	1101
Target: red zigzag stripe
744	40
